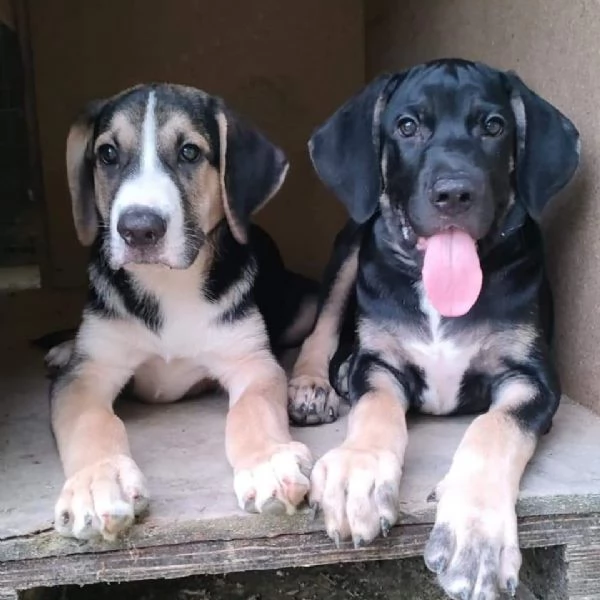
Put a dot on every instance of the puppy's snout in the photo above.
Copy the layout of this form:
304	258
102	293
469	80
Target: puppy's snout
453	196
141	227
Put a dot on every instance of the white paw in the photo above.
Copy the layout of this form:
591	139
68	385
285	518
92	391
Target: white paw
275	482
101	500
312	400
474	546
358	491
58	357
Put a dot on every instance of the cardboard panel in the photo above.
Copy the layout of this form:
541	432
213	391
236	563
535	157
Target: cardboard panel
553	45
286	66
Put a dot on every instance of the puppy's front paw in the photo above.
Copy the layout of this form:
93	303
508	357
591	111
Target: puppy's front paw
58	357
101	500
358	491
474	547
312	400
275	481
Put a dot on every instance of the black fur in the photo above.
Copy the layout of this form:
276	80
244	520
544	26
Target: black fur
259	167
277	292
138	303
385	180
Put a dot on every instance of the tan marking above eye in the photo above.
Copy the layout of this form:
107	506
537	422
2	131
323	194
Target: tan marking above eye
105	138
122	132
179	127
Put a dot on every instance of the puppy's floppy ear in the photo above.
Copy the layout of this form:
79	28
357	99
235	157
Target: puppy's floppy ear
251	170
80	173
345	150
547	151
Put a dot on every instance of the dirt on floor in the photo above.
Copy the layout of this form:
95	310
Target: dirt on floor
389	580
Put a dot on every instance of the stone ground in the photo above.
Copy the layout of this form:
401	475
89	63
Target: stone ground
389	580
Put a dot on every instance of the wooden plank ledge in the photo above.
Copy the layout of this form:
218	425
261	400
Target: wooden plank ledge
194	525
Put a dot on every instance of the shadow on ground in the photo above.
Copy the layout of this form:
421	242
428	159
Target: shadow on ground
389	580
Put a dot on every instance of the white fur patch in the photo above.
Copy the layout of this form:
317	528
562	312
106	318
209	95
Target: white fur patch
443	360
191	343
150	187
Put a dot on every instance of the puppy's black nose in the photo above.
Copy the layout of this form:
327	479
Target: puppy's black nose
453	196
141	227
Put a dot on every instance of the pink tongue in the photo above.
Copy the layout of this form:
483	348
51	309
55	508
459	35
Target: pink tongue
451	273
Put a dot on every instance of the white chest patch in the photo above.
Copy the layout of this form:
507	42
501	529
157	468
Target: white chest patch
443	361
192	342
190	327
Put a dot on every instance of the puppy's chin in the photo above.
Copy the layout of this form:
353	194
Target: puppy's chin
132	257
179	256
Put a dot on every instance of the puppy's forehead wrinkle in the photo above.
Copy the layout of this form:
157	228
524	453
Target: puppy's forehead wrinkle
451	104
195	106
178	118
178	128
170	99
121	123
124	131
447	88
132	107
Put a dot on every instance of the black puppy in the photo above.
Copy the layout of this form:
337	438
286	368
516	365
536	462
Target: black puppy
436	299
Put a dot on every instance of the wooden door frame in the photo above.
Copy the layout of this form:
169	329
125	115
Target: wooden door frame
35	184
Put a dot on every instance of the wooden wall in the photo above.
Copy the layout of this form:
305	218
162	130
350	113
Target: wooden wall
288	65
285	65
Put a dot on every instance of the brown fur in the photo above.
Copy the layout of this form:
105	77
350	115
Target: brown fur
195	348
357	484
309	384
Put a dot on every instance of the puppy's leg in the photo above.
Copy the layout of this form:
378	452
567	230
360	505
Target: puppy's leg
357	484
301	321
474	547
270	469
287	300
312	400
104	487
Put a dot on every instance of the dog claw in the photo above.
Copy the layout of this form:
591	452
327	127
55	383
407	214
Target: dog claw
511	587
385	526
438	565
314	510
274	506
432	497
359	542
337	539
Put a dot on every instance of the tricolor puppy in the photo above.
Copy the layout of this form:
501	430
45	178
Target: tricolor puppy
182	290
436	300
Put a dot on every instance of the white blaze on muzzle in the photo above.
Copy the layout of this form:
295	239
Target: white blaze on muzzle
149	188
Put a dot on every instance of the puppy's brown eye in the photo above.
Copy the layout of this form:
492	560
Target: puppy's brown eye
494	126
108	154
189	153
407	126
